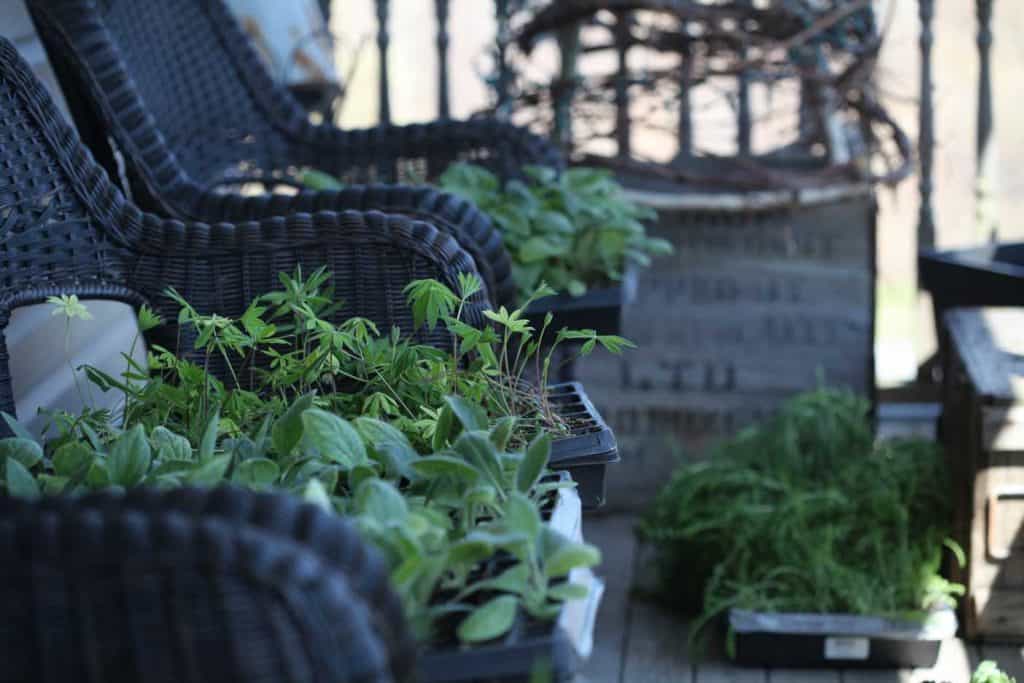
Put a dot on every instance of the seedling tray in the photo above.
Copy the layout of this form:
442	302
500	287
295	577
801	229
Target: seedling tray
530	645
788	640
591	447
598	309
992	275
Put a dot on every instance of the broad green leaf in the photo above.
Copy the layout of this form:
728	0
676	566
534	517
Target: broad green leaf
170	446
434	466
17	428
334	438
522	515
472	417
129	458
318	180
358	474
72	460
20	482
287	430
52	485
26	452
561	555
501	432
567	591
470	550
443	430
210	472
541	248
481	495
478	450
381	501
533	463
257	472
387	444
98	476
490	620
209	441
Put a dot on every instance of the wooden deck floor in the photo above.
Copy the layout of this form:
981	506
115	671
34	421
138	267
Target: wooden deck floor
636	642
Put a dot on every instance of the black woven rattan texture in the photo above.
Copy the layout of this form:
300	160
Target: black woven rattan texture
188	102
65	228
192	587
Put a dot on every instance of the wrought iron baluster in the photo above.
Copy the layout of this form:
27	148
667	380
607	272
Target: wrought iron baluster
744	121
685	123
568	51
383	39
623	125
985	211
443	96
926	139
504	79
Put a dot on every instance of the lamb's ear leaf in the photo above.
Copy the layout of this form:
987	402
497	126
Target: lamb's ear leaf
490	620
533	462
472	417
287	430
20	482
17	428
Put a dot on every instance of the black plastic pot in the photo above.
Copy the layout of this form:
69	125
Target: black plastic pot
838	640
992	275
598	309
590	448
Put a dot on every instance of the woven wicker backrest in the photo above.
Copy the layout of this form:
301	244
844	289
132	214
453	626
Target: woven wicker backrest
65	228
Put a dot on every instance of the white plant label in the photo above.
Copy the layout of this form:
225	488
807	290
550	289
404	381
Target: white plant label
847	648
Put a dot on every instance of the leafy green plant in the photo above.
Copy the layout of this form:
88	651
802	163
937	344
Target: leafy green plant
439	457
285	345
461	528
989	672
807	513
572	230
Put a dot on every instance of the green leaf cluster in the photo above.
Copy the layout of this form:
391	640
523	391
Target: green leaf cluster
572	230
440	457
807	513
989	672
461	528
296	342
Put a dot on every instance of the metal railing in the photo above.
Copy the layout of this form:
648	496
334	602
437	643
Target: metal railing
985	126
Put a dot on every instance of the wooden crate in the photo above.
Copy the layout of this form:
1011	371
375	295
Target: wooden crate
983	432
766	294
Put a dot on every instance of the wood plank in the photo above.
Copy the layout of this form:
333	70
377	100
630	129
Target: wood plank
803	676
614	536
656	649
721	671
1010	658
957	661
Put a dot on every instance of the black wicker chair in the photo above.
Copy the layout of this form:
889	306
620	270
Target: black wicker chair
65	228
182	93
192	587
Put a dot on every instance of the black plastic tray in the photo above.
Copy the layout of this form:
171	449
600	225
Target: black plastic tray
838	640
992	275
587	453
598	309
528	645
